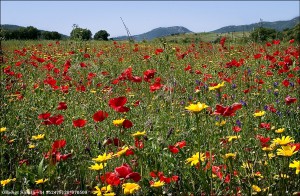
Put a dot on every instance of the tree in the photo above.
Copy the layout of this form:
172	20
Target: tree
101	35
292	33
263	34
80	34
53	35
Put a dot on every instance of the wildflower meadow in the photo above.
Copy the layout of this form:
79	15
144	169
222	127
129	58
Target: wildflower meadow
150	118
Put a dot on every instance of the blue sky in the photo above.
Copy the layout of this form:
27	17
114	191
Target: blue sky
142	16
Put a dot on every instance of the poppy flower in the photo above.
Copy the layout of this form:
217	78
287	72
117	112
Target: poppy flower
236	129
289	100
44	116
111	178
125	171
227	111
79	123
100	116
286	82
149	74
158	50
54	120
59	144
118	103
86	56
265	126
173	149
62	106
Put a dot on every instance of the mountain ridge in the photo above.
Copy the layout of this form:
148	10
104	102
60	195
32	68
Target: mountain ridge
156	33
277	25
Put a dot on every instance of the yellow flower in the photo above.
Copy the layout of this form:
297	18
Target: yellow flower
118	122
230	138
281	176
102	158
279	130
283	141
158	184
97	191
256	188
130	188
104	191
247	165
41	181
2	129
97	167
107	189
295	164
268	148
220	124
5	182
258	174
139	134
229	155
286	151
31	146
196	108
196	158
217	86
121	152
271	155
38	137
258	114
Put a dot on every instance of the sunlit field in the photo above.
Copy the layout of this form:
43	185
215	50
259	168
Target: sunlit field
150	118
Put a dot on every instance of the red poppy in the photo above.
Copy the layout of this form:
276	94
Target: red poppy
289	100
54	120
149	74
44	116
181	144
173	149
156	85
123	170
222	41
111	178
227	111
118	103
79	123
188	68
100	116
158	50
58	144
292	41
295	144
62	106
236	129
86	56
257	56
62	157
286	82
138	143
136	79
127	124
82	64
265	126
147	57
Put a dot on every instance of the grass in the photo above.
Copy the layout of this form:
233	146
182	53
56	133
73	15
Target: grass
34	79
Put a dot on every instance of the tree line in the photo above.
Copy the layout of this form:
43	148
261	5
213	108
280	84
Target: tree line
260	34
32	33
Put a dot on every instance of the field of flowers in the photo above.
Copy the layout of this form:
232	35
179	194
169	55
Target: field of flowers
118	118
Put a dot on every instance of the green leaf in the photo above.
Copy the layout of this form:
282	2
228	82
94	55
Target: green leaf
40	168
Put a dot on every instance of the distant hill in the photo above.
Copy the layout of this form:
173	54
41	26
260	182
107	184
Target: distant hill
277	25
156	33
15	27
